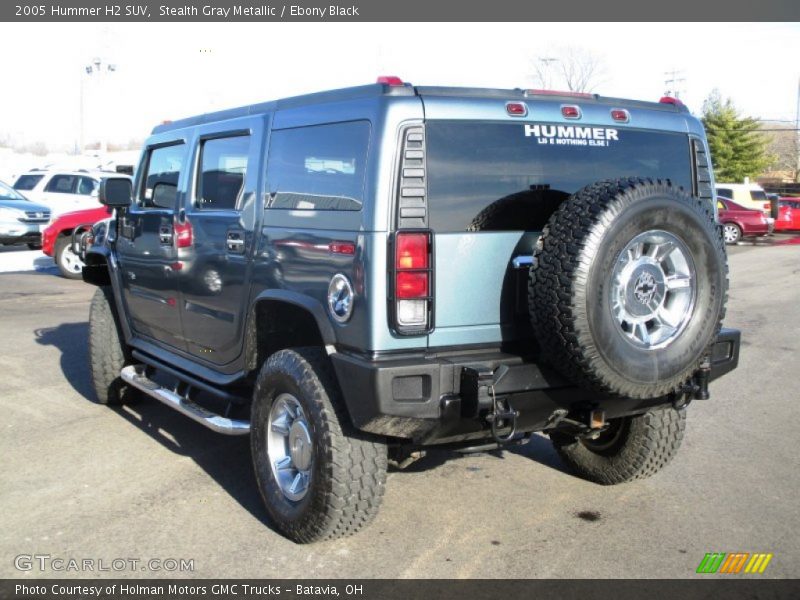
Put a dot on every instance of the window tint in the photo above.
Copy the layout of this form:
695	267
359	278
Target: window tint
725	192
87	185
318	168
27	182
758	195
476	168
223	167
62	184
160	185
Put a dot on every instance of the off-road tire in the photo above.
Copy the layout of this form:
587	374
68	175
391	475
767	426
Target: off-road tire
62	245
108	353
569	298
646	444
349	468
34	246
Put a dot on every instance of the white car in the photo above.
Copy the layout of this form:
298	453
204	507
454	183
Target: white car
62	191
748	195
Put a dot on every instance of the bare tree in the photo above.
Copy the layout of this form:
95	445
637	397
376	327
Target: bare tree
572	67
783	147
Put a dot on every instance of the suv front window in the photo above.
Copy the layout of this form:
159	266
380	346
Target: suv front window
160	185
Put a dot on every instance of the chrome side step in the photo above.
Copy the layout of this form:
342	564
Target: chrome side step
134	376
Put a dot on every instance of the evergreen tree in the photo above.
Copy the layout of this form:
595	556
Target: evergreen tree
738	148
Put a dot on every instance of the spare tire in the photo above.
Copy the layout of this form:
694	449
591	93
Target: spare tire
628	287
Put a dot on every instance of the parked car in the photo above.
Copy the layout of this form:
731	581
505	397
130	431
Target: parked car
747	195
21	220
739	222
353	278
788	215
57	238
62	191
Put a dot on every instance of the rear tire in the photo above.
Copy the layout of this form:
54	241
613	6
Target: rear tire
633	447
108	353
69	264
332	483
732	233
33	246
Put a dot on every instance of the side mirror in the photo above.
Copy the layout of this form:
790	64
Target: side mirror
116	192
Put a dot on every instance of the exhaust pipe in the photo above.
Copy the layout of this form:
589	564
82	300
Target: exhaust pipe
213	421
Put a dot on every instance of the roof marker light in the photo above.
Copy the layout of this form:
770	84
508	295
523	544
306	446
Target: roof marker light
570	111
671	100
620	115
390	80
516	109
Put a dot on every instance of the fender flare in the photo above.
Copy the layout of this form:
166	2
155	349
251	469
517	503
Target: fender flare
311	305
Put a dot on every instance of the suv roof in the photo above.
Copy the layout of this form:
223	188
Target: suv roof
381	89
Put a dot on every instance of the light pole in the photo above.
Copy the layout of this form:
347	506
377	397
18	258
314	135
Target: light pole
101	69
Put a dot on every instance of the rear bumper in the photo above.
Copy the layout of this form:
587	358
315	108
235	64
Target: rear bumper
431	398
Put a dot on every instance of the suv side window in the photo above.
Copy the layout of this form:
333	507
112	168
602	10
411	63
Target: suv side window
87	185
62	184
159	186
727	193
223	166
27	182
320	167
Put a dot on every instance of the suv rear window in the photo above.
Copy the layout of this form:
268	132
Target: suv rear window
474	167
27	182
758	195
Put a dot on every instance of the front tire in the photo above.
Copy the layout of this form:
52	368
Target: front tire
69	264
318	476
108	353
632	448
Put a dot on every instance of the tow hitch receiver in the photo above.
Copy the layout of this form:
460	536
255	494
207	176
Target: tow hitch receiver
478	394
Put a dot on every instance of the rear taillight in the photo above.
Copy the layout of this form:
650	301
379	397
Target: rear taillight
413	281
184	236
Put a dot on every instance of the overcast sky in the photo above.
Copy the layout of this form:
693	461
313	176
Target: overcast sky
167	71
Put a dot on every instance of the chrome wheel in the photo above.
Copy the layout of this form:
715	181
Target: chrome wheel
653	289
290	447
731	233
70	261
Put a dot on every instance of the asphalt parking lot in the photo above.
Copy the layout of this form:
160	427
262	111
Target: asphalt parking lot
80	480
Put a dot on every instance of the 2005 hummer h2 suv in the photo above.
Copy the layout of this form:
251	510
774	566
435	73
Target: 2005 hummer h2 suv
355	275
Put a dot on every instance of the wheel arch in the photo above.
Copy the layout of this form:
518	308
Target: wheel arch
280	319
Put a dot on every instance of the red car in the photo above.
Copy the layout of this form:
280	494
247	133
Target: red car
739	222
57	238
788	215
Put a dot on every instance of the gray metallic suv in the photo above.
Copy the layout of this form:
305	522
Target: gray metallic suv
352	276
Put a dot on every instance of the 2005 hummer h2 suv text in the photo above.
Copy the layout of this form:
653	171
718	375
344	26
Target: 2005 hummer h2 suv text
355	275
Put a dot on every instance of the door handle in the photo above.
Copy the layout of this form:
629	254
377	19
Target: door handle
235	242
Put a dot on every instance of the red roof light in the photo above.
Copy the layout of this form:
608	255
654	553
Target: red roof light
620	115
516	109
390	80
671	100
570	112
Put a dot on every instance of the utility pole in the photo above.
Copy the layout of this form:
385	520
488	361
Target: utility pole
672	83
